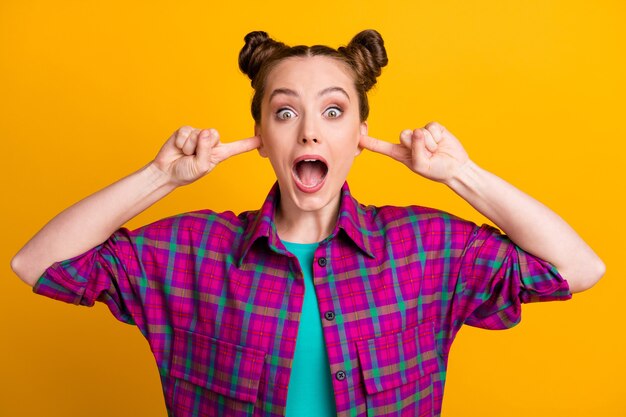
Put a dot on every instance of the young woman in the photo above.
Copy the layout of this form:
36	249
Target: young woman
314	304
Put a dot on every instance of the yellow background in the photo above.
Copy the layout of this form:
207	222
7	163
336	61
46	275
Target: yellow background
89	91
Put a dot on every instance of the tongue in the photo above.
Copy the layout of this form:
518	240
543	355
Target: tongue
310	173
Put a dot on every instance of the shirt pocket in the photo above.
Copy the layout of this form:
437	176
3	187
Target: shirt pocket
213	377
397	372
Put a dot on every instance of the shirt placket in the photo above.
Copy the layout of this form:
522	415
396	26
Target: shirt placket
332	324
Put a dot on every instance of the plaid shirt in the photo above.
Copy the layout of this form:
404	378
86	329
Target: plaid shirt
219	298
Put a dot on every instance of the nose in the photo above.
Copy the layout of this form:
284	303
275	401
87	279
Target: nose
309	132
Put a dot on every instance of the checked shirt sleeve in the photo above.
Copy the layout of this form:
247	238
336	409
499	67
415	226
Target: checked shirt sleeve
110	273
497	276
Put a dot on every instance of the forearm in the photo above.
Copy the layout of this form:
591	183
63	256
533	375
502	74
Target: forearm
90	221
530	224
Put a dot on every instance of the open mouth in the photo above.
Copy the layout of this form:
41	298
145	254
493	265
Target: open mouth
310	173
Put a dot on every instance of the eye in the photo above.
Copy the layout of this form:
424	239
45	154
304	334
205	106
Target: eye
285	114
333	112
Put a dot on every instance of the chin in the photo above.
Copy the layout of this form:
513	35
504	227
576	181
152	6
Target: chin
318	200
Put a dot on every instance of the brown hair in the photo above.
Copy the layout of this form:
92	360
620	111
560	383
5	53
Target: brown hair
365	56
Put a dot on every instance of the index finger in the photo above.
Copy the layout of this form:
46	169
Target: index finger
392	150
241	146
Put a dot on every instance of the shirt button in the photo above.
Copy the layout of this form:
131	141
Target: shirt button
340	375
329	315
322	262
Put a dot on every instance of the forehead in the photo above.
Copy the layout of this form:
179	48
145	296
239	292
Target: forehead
315	72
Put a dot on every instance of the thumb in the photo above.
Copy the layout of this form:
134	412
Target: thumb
207	139
405	137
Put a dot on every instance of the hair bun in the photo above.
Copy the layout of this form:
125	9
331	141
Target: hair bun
257	48
367	52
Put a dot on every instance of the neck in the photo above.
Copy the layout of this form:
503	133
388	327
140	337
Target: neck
298	226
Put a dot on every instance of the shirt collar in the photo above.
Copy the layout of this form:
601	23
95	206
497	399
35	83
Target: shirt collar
352	221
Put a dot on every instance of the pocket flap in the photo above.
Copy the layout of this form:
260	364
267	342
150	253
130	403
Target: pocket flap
392	360
222	367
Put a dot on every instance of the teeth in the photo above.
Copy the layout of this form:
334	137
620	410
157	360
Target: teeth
310	160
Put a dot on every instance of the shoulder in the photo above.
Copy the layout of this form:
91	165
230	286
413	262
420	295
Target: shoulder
418	217
190	227
421	228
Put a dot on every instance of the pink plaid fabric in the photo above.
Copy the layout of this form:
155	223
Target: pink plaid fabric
218	298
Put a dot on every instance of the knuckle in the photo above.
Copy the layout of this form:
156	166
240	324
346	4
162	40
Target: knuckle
185	130
436	126
180	133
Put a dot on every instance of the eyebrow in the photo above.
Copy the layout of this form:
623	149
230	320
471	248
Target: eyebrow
325	91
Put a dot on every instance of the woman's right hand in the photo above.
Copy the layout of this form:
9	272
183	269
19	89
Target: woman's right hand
191	153
186	156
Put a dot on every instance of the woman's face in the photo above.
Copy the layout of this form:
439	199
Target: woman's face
310	129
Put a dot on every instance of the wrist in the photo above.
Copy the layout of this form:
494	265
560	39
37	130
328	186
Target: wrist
157	178
467	175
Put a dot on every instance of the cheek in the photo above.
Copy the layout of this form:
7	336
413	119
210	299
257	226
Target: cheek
346	130
276	132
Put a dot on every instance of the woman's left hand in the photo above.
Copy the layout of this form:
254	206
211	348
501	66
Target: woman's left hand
431	151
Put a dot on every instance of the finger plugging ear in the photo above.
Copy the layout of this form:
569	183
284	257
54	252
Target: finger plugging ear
363	142
377	145
261	148
257	141
237	147
368	142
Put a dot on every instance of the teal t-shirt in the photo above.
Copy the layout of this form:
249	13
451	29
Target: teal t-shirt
310	390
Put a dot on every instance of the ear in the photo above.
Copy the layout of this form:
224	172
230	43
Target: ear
363	132
260	149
